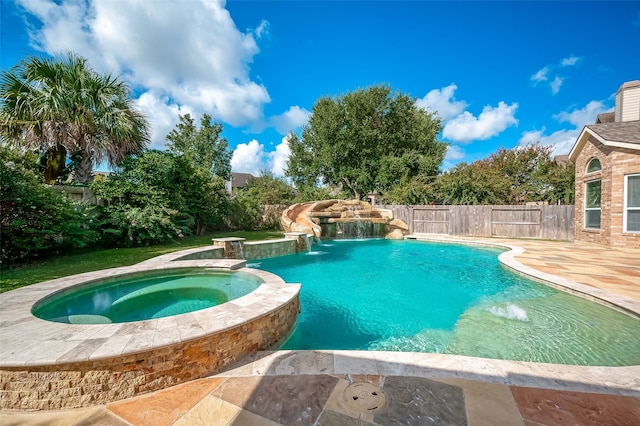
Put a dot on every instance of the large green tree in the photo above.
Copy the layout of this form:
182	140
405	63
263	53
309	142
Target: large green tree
62	106
204	146
269	189
207	152
367	140
158	196
475	183
508	176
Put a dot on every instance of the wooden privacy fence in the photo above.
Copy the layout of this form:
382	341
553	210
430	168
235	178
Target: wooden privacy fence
536	221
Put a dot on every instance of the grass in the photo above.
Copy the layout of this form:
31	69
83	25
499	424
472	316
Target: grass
72	264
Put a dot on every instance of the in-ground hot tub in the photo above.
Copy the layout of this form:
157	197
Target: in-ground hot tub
145	295
50	365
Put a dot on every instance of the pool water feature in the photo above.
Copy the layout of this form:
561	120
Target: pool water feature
144	296
445	298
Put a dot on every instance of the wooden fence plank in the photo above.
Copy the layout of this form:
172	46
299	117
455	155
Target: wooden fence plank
536	221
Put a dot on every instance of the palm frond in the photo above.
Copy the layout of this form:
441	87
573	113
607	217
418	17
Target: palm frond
45	102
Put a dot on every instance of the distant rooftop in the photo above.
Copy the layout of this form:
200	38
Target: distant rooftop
562	159
606	117
240	180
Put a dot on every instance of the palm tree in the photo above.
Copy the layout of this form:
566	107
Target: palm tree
61	103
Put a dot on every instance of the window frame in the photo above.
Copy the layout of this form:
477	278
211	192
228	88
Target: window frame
626	204
599	169
586	209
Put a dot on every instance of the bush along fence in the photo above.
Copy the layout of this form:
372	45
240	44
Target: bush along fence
547	222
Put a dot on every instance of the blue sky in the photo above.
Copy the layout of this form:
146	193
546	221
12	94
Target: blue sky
499	74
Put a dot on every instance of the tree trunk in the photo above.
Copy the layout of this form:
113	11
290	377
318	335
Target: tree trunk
83	173
54	161
354	188
200	228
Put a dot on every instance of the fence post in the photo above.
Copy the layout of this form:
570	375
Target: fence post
411	215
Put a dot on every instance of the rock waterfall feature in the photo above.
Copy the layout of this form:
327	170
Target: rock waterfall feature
342	219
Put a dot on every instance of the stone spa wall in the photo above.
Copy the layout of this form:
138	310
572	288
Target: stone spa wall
49	365
96	382
85	382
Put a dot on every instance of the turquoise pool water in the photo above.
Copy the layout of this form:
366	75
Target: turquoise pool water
143	296
445	298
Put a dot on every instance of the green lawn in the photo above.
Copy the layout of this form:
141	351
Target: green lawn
91	261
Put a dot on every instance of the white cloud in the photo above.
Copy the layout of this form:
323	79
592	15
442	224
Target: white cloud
443	102
279	157
563	140
452	157
570	61
555	84
454	153
188	56
461	126
248	158
252	158
263	29
62	29
541	75
292	119
466	128
583	116
162	115
545	73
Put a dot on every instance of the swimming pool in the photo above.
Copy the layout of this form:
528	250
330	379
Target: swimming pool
444	298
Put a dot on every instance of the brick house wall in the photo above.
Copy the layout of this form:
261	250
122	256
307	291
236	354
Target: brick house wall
616	163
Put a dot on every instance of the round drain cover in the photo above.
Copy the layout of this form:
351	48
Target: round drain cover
364	397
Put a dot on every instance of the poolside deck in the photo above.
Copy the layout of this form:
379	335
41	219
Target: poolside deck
351	387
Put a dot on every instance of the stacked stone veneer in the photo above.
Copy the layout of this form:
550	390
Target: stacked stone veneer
213	253
258	249
271	248
616	163
81	384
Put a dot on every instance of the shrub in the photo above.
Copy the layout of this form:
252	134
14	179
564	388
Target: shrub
159	196
260	204
244	212
36	221
128	226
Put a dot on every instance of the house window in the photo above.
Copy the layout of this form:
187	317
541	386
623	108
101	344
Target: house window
594	166
592	204
632	203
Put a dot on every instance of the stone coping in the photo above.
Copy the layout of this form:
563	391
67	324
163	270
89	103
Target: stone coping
508	259
26	340
273	241
179	255
610	380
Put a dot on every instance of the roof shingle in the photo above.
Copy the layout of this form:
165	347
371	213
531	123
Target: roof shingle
606	117
625	132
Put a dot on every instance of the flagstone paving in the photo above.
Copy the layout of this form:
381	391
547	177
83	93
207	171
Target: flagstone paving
358	388
612	269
